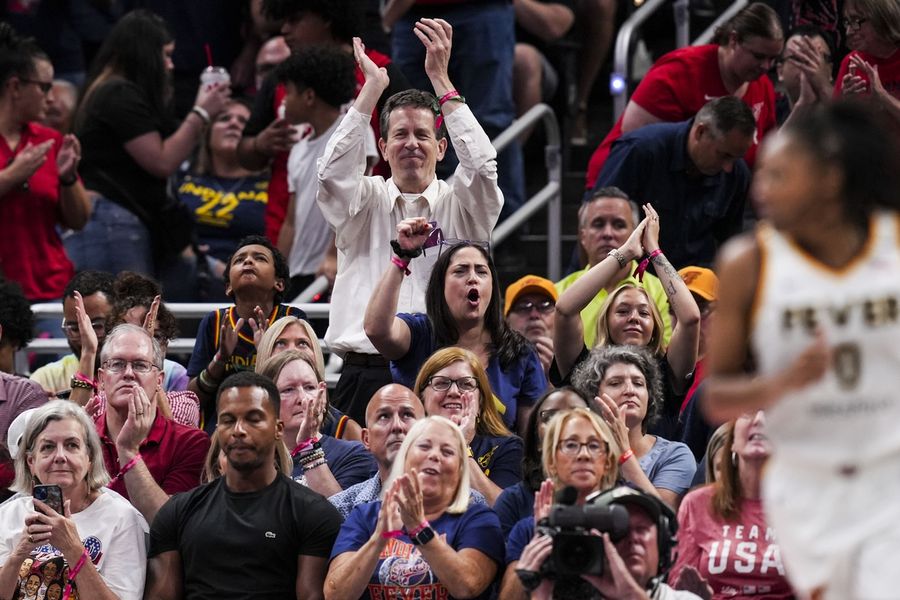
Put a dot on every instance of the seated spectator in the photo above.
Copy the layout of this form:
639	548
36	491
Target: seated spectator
463	309
365	211
517	502
291	333
711	521
693	173
604	223
61	107
39	185
709	469
192	552
579	450
872	69
110	562
391	412
453	384
424	525
629	316
216	459
149	455
626	385
132	145
318	82
680	83
325	464
530	308
806	65
256	278
138	302
16	323
227	203
97	292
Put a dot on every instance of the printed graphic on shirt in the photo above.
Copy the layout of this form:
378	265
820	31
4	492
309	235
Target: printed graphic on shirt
217	206
404	574
43	575
748	551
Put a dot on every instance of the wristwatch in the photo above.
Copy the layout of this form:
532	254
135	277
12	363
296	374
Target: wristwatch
423	537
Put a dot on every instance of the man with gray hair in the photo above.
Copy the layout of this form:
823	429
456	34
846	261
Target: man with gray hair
692	173
149	456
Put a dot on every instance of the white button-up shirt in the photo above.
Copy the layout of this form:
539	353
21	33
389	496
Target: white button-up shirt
364	213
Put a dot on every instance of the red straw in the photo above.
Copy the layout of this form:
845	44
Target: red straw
208	54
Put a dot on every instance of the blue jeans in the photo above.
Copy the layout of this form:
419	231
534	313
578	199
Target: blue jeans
114	240
480	67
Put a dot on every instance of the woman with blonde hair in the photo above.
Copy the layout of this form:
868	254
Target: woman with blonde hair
424	536
630	317
326	464
453	384
294	333
581	452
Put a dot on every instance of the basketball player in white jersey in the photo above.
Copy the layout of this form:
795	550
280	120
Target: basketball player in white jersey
812	298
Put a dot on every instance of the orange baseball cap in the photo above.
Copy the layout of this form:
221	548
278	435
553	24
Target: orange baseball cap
701	281
529	283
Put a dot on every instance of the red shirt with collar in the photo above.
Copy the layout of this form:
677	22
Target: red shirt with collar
173	453
31	252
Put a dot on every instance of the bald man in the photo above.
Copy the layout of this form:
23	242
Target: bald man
390	413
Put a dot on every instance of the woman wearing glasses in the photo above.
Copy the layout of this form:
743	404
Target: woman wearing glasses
39	185
873	68
464	309
579	451
453	384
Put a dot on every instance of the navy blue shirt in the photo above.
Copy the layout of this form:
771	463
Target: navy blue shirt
349	461
521	384
514	504
697	212
500	458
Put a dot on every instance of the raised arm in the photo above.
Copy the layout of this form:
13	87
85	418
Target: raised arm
568	334
683	347
388	333
731	391
376	79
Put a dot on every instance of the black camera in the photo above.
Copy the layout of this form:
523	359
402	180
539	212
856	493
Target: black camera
576	551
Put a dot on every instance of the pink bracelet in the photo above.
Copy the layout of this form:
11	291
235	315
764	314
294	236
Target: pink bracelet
417	530
305	444
387	535
73	572
646	263
401	264
625	456
446	97
85	379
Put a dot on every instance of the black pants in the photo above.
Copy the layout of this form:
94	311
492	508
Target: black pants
357	385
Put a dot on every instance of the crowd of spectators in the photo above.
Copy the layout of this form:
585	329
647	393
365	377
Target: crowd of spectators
470	424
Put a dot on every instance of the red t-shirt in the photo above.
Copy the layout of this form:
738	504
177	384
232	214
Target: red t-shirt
739	559
677	87
31	252
888	72
174	455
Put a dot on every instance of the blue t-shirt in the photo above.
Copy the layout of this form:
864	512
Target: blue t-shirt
521	384
669	465
519	536
402	571
514	504
225	209
500	458
349	461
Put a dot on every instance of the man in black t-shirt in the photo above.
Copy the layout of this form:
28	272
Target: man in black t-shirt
250	529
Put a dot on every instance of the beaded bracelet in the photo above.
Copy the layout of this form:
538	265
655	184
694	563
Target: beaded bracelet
315	465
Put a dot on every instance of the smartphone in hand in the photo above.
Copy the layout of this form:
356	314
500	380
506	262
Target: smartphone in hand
51	495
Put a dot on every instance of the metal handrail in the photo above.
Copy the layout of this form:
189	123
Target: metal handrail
620	76
550	195
707	35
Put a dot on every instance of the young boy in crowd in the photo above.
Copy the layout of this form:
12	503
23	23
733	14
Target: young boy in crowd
256	277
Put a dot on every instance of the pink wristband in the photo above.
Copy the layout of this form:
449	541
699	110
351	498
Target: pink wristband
130	464
73	572
646	263
423	525
401	264
446	97
625	456
387	535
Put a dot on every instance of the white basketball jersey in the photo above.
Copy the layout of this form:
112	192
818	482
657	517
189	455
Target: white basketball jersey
852	416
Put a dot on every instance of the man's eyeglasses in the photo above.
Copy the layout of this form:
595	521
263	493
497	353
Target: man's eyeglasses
463	384
853	23
72	330
118	365
45	86
544	307
573	447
